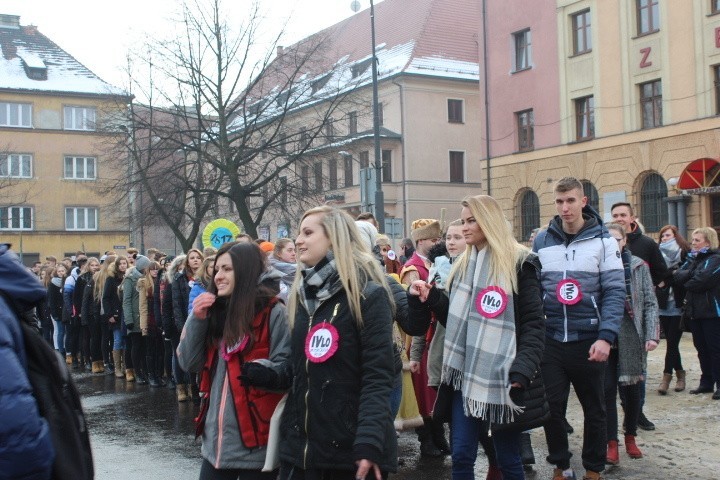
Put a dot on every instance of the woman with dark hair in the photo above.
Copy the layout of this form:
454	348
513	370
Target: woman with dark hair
238	337
111	304
674	249
182	283
55	305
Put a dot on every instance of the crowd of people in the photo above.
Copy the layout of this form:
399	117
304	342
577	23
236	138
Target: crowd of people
307	354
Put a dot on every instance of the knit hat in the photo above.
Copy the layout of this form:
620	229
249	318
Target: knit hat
425	228
267	247
368	232
142	263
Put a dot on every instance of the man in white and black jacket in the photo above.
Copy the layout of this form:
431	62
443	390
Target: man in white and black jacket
583	285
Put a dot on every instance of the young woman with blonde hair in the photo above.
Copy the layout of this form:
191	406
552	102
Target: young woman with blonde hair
105	338
337	422
493	342
112	313
151	334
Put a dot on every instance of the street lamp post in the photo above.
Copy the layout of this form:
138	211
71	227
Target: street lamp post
379	202
379	195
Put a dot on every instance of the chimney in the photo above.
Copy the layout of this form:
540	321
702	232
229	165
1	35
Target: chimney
9	21
279	50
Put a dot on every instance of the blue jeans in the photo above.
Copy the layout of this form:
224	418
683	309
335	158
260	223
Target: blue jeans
59	336
467	432
118	339
396	396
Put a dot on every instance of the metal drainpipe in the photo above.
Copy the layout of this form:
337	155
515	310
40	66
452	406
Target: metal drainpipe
402	136
487	103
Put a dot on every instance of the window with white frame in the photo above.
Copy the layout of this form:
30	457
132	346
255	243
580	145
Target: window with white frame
80	168
81	218
16	165
79	118
15	114
16	218
523	50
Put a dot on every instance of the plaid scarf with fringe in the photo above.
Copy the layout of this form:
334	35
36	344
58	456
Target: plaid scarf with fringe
479	351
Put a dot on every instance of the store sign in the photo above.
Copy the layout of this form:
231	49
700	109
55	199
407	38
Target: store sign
702	191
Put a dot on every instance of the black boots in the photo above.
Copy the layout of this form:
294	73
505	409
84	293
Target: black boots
425	436
151	375
437	432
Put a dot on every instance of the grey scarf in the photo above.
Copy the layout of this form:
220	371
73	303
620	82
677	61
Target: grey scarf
479	351
319	283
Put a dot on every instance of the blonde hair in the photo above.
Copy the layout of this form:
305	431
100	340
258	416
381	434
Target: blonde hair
102	275
146	282
354	262
505	252
710	235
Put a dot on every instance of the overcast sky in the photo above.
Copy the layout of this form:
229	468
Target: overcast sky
99	32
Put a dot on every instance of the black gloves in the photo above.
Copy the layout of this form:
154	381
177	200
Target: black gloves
129	326
254	374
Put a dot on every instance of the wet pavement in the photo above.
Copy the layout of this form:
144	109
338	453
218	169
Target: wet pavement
142	432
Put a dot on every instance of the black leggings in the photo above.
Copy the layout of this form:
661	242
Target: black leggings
154	352
630	395
208	472
673	334
136	347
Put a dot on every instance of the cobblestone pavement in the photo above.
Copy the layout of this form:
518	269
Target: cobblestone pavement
139	432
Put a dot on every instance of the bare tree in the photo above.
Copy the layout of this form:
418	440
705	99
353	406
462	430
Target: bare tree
225	120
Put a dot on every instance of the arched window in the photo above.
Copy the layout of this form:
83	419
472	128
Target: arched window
589	190
653	211
529	213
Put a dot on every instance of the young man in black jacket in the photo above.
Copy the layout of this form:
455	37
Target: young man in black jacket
647	249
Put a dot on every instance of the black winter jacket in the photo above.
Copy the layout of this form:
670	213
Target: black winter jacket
701	277
645	247
111	303
55	301
90	310
530	340
180	299
338	411
78	295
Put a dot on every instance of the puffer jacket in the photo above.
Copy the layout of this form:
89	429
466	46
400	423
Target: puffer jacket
79	296
181	286
592	258
131	300
338	411
26	449
111	303
55	298
221	442
529	336
700	274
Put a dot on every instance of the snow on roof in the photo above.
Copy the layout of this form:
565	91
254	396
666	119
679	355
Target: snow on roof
444	67
64	73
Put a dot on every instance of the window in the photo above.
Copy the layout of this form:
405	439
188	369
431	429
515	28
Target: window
364	159
381	114
455	111
716	87
651	104
305	141
333	174
81	218
457	167
15	114
648	16
714	6
589	190
330	130
318	175
352	123
584	118
523	50
529	213
525	127
582	34
282	142
79	118
360	67
16	165
80	168
387	165
305	179
16	218
653	210
348	170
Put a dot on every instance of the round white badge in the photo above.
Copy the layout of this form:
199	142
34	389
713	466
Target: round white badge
391	255
568	291
321	342
491	302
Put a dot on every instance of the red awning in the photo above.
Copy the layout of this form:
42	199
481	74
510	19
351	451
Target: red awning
699	173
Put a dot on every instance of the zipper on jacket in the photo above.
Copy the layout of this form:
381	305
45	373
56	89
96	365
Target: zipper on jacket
565	317
597	310
307	374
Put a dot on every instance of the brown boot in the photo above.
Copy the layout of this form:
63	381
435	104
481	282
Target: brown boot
631	447
69	359
117	359
665	383
558	475
680	384
182	395
130	374
590	475
97	367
